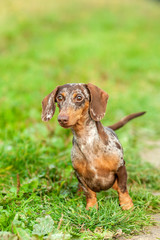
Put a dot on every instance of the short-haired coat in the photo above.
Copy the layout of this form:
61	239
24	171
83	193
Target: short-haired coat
97	155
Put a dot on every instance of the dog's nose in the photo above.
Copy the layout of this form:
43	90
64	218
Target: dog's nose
63	119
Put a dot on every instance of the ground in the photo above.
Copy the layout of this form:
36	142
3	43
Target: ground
151	233
114	45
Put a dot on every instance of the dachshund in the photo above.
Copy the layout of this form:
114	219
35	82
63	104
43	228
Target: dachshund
97	155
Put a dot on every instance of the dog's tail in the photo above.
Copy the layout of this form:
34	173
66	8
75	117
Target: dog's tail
124	120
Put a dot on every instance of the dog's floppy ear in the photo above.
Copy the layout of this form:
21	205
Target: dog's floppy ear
98	102
48	105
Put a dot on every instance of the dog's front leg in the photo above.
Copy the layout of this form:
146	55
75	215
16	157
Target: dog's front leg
91	197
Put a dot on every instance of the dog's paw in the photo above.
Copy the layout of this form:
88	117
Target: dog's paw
127	206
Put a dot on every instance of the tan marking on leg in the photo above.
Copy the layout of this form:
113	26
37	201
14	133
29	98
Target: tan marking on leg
91	199
124	198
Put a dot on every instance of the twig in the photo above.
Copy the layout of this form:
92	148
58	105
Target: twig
18	185
60	221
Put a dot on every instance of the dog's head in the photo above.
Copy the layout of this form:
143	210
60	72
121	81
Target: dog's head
74	100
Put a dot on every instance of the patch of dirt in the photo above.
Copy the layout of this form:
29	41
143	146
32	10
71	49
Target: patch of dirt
151	233
151	153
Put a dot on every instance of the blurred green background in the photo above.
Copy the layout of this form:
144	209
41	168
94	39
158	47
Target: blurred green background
112	44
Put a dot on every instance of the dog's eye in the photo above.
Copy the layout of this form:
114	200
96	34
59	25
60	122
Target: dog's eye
79	98
60	98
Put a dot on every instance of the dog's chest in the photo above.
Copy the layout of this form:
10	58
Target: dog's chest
90	154
87	146
95	165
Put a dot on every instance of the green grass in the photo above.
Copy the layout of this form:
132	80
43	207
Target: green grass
113	44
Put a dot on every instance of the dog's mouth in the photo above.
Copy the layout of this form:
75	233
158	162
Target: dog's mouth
65	125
